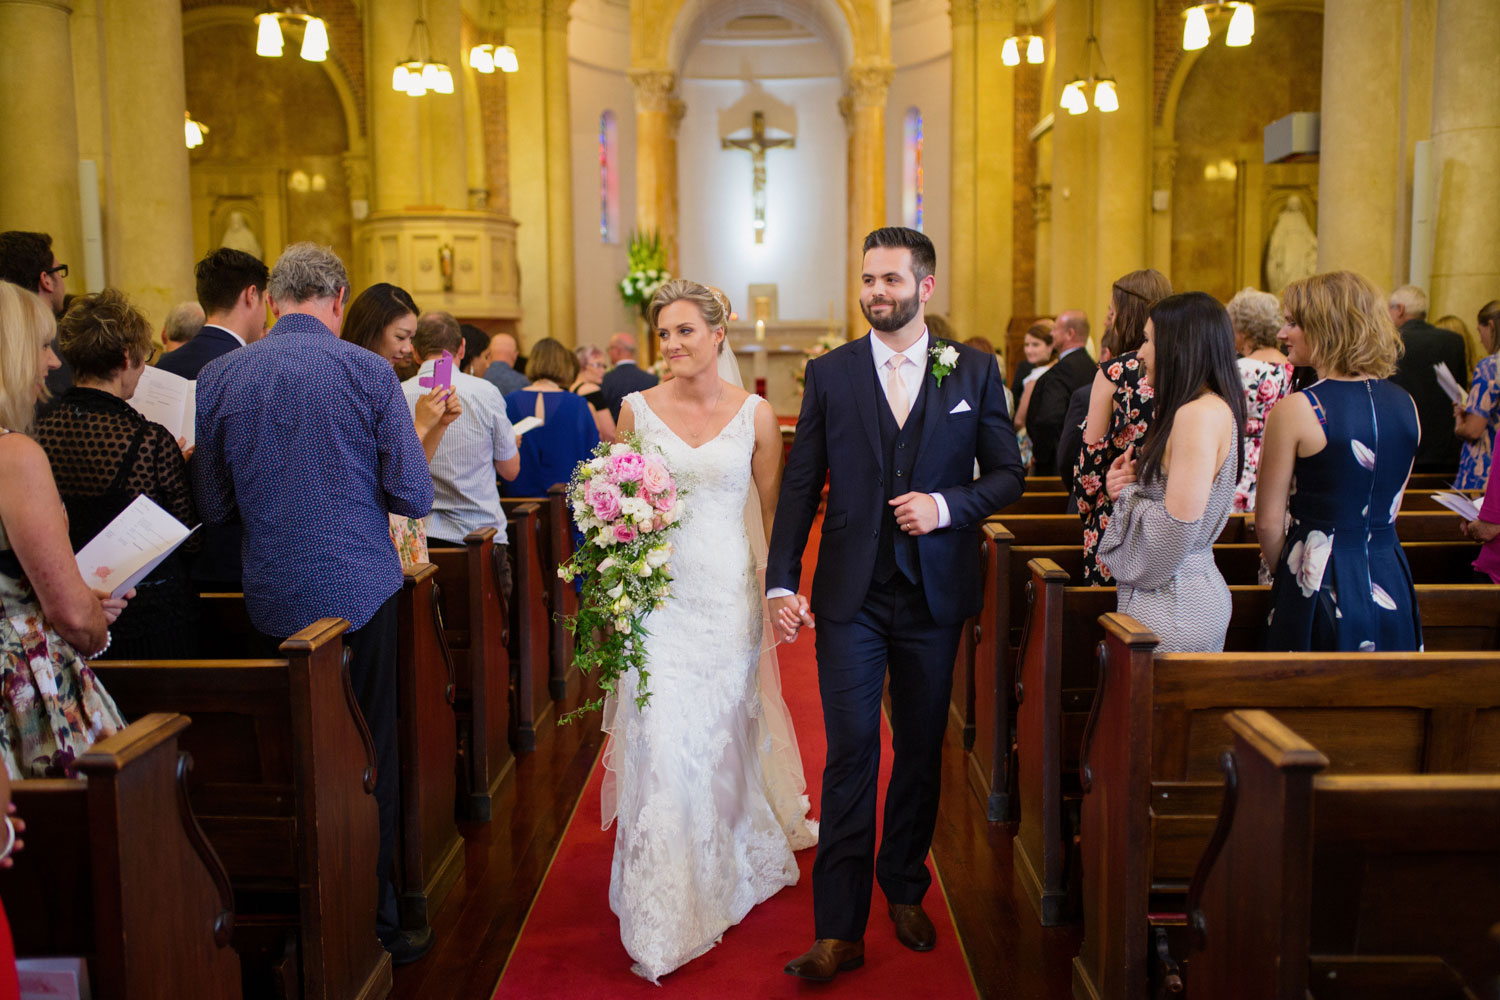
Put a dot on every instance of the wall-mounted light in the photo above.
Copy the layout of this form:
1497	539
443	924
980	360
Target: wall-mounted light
193	131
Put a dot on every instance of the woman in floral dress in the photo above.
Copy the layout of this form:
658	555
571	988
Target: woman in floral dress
1119	408
1264	373
1339	454
54	707
1476	419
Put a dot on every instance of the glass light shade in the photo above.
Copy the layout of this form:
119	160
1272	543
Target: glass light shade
1010	52
1195	33
482	59
268	37
505	59
430	76
1241	26
1105	98
315	40
398	78
444	80
1073	101
192	131
414	85
1034	53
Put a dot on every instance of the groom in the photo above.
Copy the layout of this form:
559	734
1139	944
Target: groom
896	429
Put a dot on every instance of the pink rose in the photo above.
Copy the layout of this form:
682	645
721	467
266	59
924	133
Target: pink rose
626	468
1267	391
605	500
625	533
664	500
655	477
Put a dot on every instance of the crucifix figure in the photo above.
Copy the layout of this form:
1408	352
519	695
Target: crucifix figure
756	146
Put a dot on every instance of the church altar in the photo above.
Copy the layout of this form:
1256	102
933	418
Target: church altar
775	350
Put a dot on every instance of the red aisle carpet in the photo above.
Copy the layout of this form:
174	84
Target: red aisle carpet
570	946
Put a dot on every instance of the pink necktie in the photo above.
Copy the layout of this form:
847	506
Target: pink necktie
895	389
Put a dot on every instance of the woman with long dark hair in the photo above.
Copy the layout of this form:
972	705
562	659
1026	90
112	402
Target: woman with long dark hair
1119	407
1348	441
1172	500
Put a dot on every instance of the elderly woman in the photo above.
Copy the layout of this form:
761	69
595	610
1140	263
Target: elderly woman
104	454
1475	419
567	433
592	364
1264	373
53	706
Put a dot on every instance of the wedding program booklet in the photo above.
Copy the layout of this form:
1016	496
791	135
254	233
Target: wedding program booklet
1449	384
1460	504
131	546
169	400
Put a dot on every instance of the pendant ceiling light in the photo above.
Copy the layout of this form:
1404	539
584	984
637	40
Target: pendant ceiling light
490	56
1074	99
268	36
1010	52
417	74
1196	30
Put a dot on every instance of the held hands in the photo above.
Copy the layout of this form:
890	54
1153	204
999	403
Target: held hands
789	614
113	605
916	513
1121	473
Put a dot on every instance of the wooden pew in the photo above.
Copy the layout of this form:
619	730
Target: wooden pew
475	621
1044	484
1032	502
564	677
431	852
1312	882
1149	769
117	869
283	786
530	622
1058	677
1434	525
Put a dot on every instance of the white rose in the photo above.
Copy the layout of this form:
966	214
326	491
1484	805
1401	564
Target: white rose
948	356
619	448
596	464
605	538
637	509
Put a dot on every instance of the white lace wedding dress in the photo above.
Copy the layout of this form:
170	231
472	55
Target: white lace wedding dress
710	805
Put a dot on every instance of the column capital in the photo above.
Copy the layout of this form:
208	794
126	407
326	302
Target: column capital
653	89
869	83
555	13
525	13
962	12
992	11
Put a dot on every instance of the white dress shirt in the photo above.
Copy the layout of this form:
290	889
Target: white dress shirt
228	331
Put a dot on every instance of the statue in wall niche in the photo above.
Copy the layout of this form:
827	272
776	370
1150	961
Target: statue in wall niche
239	236
1292	250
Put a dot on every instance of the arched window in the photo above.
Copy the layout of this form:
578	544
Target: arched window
911	169
609	178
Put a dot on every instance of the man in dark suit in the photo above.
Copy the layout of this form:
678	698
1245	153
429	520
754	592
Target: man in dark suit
26	259
1049	399
894	423
232	292
1428	345
626	376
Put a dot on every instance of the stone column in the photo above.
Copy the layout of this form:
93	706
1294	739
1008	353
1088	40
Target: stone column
528	123
148	223
963	268
39	156
656	118
559	153
1124	164
444	126
865	106
1466	150
395	130
1359	165
1073	169
994	179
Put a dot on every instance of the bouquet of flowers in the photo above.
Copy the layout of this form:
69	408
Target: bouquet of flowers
820	347
646	271
626	502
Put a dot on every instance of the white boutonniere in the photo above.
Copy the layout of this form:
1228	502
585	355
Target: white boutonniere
944	360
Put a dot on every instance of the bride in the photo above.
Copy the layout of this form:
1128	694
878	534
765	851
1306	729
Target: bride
706	781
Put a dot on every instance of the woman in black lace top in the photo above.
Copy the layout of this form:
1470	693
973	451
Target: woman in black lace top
104	454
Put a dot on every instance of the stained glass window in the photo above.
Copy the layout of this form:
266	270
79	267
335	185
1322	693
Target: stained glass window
911	169
609	178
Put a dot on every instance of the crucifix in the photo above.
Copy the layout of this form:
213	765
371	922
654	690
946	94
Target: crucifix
756	146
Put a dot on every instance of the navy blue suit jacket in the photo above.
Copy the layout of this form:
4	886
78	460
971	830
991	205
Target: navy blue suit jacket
620	381
207	344
838	437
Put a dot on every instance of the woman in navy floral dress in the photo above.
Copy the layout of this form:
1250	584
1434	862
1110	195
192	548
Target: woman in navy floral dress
1119	408
1340	452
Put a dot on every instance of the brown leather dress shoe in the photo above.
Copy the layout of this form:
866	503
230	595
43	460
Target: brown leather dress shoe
826	959
913	928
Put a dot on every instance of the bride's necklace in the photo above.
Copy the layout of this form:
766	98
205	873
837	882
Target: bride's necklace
697	435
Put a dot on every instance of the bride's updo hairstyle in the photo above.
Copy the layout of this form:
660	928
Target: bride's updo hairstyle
713	308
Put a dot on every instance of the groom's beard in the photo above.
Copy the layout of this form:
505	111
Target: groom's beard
901	312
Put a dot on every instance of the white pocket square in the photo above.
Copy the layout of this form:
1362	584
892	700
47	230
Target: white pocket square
962	407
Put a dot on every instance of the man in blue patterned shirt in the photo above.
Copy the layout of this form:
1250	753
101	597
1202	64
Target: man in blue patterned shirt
309	438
